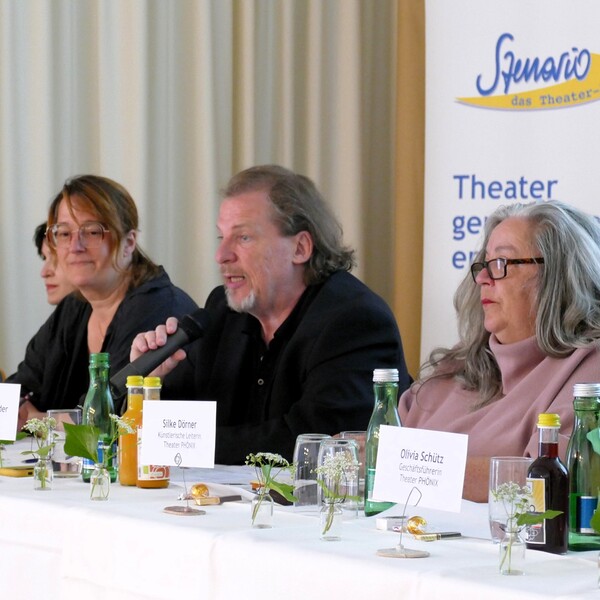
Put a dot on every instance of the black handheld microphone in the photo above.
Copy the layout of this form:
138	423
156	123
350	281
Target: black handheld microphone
190	328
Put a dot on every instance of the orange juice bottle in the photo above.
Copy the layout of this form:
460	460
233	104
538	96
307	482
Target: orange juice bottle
128	452
150	476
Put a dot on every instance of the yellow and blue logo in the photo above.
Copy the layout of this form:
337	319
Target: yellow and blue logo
567	81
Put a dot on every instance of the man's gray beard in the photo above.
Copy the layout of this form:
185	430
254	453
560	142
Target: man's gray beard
246	305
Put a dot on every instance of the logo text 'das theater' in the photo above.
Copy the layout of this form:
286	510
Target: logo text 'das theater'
567	79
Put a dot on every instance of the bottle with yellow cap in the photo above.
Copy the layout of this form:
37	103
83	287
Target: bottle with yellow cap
150	476
548	480
128	451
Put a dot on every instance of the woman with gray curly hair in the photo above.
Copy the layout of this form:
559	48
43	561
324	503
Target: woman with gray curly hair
529	328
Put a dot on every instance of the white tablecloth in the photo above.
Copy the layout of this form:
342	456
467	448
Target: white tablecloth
59	544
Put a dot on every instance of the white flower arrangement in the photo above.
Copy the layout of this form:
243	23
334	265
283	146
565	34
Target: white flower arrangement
337	469
268	466
517	501
42	432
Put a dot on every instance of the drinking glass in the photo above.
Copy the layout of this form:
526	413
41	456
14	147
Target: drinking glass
306	453
360	438
347	486
504	469
64	465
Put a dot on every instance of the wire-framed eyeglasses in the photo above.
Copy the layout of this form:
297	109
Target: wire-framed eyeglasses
90	234
496	267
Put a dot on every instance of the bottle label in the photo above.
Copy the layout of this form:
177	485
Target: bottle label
584	510
150	472
101	454
536	534
153	473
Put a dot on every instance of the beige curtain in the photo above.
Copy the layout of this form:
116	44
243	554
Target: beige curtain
171	97
410	159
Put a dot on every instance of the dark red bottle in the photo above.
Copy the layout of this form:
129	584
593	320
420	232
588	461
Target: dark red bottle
548	479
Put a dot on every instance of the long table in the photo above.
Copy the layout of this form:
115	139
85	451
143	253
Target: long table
59	544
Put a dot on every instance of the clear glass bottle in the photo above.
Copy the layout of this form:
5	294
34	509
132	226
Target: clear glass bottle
512	553
262	509
150	476
342	486
548	480
99	483
43	474
583	463
97	408
128	448
385	412
331	518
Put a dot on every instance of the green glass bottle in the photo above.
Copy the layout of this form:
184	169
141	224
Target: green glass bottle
97	408
385	412
583	463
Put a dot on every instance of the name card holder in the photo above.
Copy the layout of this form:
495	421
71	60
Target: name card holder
180	433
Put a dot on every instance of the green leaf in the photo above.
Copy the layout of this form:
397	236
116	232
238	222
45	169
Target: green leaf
82	440
44	451
285	489
535	518
329	494
41	452
353	498
595	521
594	438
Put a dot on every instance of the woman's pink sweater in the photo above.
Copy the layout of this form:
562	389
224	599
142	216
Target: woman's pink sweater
532	383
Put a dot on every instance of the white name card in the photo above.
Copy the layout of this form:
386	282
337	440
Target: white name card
432	461
179	433
10	394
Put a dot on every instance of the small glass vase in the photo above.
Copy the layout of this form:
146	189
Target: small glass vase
512	552
262	509
43	474
99	483
330	519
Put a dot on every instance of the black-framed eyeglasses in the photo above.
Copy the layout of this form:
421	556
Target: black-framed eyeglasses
496	267
90	234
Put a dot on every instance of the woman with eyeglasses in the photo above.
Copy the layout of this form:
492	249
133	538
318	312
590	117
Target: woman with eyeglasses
92	230
55	281
529	329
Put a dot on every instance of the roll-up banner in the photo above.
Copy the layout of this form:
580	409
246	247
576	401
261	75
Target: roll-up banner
512	115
